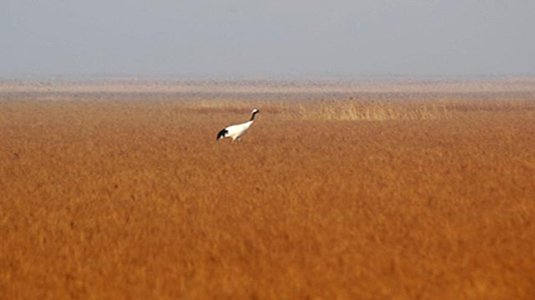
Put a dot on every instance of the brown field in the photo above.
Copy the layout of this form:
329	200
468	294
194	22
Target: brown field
341	190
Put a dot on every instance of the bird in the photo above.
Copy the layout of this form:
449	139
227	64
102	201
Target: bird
236	131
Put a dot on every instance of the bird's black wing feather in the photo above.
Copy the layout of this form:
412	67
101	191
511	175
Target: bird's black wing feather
221	134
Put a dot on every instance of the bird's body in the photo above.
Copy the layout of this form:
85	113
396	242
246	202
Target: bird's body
236	131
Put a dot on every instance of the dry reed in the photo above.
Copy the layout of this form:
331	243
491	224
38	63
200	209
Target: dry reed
128	196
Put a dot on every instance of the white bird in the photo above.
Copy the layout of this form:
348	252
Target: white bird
236	131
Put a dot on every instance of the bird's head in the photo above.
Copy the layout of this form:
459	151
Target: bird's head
255	111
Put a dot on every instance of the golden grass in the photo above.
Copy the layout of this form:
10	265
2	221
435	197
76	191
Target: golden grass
122	195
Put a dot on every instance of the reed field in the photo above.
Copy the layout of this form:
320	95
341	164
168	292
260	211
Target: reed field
117	189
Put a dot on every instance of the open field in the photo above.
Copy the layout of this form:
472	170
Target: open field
353	190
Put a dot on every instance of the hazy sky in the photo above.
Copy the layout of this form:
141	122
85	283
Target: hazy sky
267	37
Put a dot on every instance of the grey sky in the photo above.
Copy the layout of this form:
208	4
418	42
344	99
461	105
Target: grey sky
252	37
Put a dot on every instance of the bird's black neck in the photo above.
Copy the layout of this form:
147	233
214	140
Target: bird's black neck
252	116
